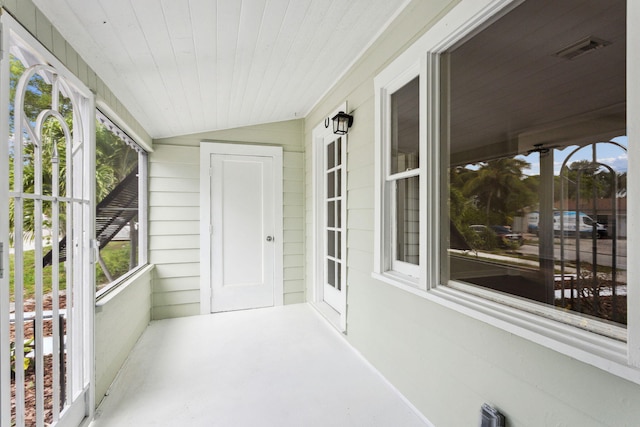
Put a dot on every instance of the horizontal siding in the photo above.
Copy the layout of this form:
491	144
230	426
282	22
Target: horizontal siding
175	310
173	228
293	260
174	238
293	236
174	214
188	270
173	185
361	177
177	155
295	298
360	260
360	239
190	296
293	160
360	219
174	255
293	248
293	227
293	273
293	224
174	242
164	169
175	284
167	198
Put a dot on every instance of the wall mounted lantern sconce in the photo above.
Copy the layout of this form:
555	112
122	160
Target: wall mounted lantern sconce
341	123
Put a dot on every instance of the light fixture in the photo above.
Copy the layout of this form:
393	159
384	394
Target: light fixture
341	123
581	47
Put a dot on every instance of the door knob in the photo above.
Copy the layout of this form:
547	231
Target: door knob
269	238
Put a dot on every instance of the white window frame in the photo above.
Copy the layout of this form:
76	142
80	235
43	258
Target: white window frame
112	119
550	329
386	267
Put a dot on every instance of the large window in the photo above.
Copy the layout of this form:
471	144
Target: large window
537	160
525	152
120	213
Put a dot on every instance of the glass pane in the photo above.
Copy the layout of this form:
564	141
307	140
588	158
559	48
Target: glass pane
331	148
331	243
331	273
537	220
331	185
408	220
338	245
339	275
339	183
405	127
339	214
331	219
339	151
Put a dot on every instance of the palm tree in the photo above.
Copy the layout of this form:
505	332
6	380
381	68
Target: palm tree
114	159
498	186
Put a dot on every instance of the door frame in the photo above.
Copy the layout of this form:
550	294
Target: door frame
319	133
207	148
81	372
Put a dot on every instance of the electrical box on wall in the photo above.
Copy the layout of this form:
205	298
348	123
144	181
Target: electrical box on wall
490	417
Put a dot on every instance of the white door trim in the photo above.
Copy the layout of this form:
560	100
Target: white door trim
206	150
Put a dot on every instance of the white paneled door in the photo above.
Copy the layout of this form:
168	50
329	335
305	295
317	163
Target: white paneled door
245	231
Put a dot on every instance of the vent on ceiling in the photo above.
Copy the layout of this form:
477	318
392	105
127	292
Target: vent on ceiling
581	47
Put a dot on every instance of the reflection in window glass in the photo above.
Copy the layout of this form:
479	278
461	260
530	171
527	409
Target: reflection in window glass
537	185
117	222
407	220
403	180
405	127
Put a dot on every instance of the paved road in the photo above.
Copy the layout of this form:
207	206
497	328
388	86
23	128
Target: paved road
603	250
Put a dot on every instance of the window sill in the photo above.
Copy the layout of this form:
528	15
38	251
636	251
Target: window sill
111	292
599	351
404	282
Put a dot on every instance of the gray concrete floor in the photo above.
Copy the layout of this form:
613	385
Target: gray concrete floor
282	366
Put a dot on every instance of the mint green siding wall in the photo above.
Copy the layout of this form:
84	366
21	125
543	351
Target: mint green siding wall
174	213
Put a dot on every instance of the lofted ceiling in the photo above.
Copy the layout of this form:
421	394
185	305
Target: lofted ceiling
188	66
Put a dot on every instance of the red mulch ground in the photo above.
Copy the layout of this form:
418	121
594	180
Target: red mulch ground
30	374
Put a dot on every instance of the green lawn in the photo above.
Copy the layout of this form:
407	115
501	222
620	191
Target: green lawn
115	255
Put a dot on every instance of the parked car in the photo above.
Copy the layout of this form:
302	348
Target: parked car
505	235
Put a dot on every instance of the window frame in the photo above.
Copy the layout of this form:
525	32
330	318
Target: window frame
550	329
386	267
104	114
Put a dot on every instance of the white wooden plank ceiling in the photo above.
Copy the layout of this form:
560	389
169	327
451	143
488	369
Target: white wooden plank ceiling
187	66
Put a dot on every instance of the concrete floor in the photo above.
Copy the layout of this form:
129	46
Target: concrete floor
282	366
